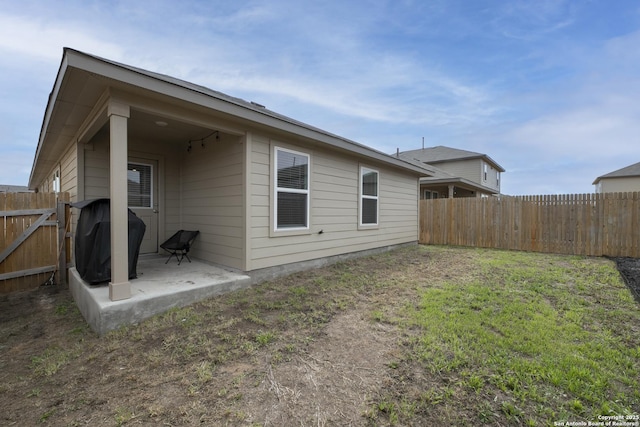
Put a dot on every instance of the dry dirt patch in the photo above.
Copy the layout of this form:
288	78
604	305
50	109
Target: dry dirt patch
331	382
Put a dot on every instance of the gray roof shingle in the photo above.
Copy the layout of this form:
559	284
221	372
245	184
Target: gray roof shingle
628	171
440	153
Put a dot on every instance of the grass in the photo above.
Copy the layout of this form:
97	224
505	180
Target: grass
50	361
479	337
547	337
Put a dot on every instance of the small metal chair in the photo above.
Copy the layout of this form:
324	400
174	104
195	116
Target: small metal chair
179	244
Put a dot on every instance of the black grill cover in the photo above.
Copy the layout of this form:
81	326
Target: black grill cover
93	241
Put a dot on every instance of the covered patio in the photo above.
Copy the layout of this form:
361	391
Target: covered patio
158	288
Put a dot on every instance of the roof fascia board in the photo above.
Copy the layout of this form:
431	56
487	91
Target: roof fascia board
604	178
62	70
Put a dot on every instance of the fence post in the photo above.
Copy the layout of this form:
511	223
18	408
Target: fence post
61	215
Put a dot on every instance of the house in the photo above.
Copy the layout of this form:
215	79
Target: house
455	172
621	180
13	189
264	190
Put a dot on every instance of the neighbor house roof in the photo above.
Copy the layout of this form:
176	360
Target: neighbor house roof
59	127
441	154
626	172
13	189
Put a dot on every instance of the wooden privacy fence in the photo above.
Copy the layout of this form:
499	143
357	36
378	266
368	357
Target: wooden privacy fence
605	224
33	239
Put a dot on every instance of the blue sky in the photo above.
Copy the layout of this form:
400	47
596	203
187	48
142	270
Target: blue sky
548	89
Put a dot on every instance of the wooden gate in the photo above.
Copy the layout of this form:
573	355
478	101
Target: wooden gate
34	240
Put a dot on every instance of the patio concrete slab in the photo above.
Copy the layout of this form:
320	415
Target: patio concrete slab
158	288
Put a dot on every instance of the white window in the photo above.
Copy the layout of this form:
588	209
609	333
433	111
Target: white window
139	185
56	182
291	210
485	171
430	194
369	184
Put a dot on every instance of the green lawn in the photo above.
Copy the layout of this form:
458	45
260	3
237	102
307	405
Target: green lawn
528	337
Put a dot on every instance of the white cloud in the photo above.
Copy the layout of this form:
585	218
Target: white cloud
390	89
527	20
42	40
580	133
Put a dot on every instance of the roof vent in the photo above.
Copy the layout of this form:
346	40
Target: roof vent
257	105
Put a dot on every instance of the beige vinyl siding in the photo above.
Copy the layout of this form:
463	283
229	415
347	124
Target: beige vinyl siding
469	169
623	184
334	209
96	171
397	191
69	172
212	200
473	170
67	166
492	177
260	187
334	199
171	178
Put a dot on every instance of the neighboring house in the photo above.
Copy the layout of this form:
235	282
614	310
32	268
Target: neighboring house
455	172
264	190
621	180
14	189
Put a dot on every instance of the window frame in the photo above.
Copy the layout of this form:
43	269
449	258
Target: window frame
361	197
56	182
276	190
432	195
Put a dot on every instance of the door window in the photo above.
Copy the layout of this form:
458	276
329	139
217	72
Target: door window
140	185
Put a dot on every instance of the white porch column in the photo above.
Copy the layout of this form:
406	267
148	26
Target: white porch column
119	287
451	192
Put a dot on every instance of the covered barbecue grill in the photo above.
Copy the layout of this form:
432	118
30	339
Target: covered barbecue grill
93	241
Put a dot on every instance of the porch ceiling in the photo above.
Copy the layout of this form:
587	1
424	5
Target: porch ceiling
144	125
458	182
76	97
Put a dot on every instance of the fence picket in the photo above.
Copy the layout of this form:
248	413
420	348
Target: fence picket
580	224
